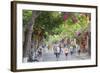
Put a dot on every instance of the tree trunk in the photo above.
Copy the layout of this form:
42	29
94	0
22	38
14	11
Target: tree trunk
27	50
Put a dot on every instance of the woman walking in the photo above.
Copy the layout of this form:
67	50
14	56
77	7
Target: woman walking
57	51
66	51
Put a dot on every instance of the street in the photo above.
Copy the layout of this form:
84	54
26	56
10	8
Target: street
50	56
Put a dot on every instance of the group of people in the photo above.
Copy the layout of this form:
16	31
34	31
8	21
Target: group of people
58	49
66	49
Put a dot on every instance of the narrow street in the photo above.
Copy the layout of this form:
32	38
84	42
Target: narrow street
50	56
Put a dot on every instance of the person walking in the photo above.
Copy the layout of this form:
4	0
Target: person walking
66	51
71	50
57	51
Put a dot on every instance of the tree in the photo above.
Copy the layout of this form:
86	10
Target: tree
28	34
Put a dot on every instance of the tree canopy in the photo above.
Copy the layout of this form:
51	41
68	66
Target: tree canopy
54	26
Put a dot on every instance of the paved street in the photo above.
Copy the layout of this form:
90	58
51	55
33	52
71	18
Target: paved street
50	56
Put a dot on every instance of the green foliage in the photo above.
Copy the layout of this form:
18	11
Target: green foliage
48	21
26	16
53	27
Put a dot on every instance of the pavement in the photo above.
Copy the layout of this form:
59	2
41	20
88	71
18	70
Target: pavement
48	55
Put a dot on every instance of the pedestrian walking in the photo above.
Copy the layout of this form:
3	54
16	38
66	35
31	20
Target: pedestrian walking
77	49
39	52
57	51
71	50
66	51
